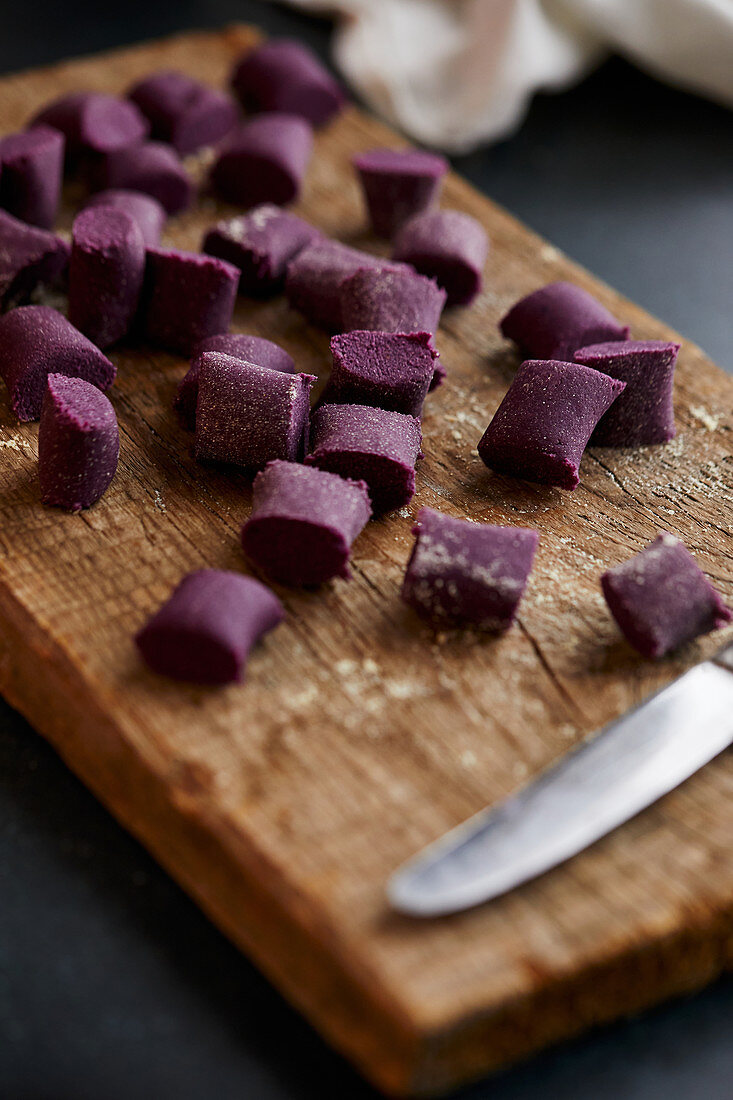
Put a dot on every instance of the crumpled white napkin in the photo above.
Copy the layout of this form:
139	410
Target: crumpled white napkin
456	73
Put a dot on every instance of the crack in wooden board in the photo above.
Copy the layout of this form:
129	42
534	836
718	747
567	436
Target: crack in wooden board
282	805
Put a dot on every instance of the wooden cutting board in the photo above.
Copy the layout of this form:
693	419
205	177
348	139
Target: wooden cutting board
282	805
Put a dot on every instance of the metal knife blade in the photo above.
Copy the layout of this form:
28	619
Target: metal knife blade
607	780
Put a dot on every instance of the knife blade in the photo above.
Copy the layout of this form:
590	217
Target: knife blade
610	778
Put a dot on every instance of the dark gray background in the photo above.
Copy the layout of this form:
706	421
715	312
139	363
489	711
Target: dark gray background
112	985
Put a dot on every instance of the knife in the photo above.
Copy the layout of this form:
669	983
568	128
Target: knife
611	777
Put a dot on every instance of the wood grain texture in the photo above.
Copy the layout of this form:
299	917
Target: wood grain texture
282	805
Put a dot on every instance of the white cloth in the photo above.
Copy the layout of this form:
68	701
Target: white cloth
456	73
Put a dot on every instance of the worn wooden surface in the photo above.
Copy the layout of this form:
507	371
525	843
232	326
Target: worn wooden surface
282	805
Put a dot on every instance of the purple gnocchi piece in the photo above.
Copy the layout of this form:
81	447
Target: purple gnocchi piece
183	111
449	246
239	345
188	297
205	631
284	75
247	415
78	443
315	279
261	244
544	422
263	160
661	599
28	257
388	370
303	523
398	184
391	301
36	341
94	123
643	414
32	170
153	168
144	209
106	273
467	574
377	446
556	320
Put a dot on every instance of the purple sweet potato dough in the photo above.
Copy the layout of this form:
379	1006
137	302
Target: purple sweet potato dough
247	415
261	244
240	345
315	279
183	111
544	422
153	168
32	164
93	122
388	370
467	574
643	413
284	75
206	629
144	209
36	341
397	184
303	523
28	257
661	599
391	301
187	298
106	273
556	320
449	246
263	160
377	446
78	443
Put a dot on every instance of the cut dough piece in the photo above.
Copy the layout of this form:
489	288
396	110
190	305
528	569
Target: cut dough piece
94	123
106	273
144	209
467	574
449	246
303	523
32	165
661	599
261	244
153	168
388	300
397	185
205	631
28	257
183	111
643	413
78	443
389	370
556	320
547	416
285	75
263	160
188	297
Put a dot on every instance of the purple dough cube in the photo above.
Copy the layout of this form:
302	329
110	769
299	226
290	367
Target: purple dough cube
144	209
32	165
449	246
661	599
261	244
556	320
28	257
188	297
391	301
303	523
388	370
94	123
467	574
78	443
547	416
239	345
315	279
247	415
377	446
153	168
263	161
106	273
643	413
398	184
283	75
183	111
205	631
36	341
